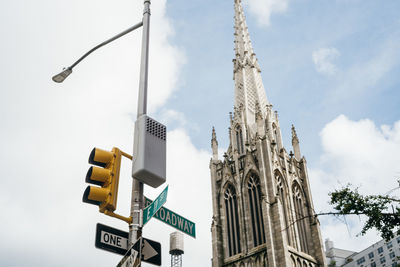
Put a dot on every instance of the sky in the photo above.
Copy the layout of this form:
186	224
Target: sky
331	68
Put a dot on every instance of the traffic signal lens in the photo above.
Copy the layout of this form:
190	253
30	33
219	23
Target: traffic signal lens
100	157
95	195
97	176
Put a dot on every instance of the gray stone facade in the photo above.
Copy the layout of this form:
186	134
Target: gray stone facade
262	205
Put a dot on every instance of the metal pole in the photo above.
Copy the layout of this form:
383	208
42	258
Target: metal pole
144	65
137	200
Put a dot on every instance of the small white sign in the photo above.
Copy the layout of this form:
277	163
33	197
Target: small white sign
130	260
114	240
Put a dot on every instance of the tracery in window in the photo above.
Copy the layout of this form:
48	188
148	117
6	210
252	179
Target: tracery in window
300	217
257	223
232	221
293	261
298	263
265	260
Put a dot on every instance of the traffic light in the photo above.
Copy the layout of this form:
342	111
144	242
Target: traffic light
106	175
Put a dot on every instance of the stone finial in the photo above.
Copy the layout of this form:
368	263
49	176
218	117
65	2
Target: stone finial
214	144
295	144
269	111
294	134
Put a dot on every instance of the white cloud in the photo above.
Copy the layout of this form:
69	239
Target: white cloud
167	60
323	58
360	153
367	75
263	9
364	75
170	116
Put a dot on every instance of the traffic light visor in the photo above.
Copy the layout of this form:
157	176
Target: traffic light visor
100	157
95	195
97	176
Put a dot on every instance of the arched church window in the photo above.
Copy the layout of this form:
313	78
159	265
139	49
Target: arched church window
257	223
282	189
300	217
239	140
232	220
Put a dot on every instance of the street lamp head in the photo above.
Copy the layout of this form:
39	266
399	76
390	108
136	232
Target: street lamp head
59	78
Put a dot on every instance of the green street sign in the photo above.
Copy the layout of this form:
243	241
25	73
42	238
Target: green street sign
151	209
171	218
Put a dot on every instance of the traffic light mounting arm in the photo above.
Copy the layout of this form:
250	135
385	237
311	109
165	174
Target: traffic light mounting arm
126	155
123	218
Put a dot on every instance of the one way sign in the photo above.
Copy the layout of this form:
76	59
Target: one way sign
116	241
111	239
151	250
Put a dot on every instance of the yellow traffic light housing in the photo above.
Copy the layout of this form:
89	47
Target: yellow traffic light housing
106	175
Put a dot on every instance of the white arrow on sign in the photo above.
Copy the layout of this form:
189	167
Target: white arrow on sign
148	251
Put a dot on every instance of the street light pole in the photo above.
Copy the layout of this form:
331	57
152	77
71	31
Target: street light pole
137	200
144	64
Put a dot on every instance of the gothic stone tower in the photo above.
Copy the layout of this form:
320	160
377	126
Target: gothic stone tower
262	205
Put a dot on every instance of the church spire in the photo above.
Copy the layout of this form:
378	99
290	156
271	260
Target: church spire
255	184
242	36
249	89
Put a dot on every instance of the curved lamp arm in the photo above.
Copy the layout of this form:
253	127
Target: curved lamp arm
59	78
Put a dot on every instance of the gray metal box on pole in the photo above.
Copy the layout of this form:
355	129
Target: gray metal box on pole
149	152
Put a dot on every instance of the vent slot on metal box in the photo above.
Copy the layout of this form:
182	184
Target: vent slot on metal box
155	128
